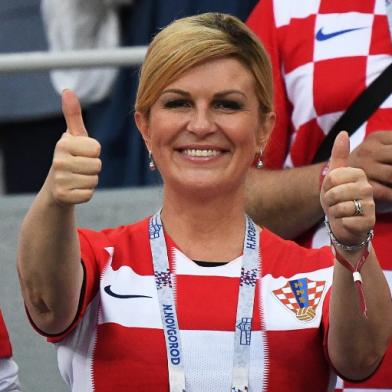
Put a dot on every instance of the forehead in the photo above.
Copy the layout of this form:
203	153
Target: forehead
216	75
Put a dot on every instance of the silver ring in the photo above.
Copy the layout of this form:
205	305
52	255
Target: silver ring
358	208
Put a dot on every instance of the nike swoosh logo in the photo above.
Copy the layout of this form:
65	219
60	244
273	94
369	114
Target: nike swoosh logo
109	291
320	36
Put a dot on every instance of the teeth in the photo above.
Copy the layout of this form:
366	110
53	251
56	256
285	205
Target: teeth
201	153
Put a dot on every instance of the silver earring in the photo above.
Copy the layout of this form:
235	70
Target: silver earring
259	162
151	163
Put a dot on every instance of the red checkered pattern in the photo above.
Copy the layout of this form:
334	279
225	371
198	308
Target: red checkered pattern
320	77
317	74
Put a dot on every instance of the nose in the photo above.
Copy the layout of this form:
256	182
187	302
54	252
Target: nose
201	121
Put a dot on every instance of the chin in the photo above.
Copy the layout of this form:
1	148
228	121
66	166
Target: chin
204	187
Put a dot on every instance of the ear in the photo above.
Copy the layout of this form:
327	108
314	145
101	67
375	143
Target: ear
142	124
267	123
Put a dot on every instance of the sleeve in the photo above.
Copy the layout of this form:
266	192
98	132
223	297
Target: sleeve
262	22
93	259
82	24
5	344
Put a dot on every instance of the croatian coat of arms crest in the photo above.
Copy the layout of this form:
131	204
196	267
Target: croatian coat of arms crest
301	296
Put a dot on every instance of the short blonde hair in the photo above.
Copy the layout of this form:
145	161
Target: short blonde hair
193	40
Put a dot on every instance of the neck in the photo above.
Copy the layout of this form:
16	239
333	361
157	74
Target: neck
206	229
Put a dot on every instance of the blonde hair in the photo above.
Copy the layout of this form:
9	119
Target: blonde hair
196	39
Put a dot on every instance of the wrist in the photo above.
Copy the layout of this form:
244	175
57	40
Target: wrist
348	248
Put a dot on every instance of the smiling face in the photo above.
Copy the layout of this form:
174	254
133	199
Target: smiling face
206	127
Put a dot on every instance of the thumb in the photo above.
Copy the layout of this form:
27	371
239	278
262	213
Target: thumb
73	113
340	151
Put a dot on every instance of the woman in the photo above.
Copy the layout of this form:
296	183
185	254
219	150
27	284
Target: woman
197	297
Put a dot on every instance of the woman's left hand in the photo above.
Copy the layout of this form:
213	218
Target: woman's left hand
347	196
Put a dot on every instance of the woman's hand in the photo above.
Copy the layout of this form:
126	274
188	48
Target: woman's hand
347	196
73	176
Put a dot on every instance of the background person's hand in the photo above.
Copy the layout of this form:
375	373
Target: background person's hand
342	185
73	176
374	156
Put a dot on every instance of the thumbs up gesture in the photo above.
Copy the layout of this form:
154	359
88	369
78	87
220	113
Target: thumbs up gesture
347	196
73	176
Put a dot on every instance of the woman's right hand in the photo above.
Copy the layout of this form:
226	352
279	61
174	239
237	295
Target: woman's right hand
73	176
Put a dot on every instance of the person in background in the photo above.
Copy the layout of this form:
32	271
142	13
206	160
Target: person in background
323	53
130	23
30	119
9	381
198	297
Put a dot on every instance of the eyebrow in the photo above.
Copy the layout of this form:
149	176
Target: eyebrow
221	94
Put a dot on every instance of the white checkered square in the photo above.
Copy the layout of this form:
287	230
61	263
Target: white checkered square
342	35
303	8
299	84
379	8
326	121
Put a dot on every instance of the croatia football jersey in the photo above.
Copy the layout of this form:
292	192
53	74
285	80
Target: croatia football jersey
324	53
8	369
5	345
117	342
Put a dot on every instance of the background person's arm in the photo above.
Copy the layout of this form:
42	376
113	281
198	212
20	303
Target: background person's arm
49	264
285	201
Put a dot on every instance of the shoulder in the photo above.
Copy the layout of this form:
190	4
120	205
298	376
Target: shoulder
111	236
284	255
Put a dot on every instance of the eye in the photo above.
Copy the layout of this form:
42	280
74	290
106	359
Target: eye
227	104
177	103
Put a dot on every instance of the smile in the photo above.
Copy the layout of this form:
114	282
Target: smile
204	153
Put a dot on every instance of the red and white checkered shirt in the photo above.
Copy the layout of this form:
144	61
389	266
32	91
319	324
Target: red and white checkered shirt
5	345
324	53
117	343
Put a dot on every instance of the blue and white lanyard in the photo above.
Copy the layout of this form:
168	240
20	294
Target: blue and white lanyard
242	336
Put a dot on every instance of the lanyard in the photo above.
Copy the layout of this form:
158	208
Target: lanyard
164	280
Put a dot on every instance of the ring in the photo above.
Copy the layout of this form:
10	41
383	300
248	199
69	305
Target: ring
358	208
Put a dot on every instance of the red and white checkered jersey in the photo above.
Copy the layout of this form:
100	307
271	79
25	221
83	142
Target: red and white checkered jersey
117	342
324	53
5	345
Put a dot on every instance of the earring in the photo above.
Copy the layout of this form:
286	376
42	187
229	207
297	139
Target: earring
151	163
259	160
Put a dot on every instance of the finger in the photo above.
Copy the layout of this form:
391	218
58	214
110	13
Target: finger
67	182
348	192
382	193
73	113
344	175
86	147
381	173
340	151
76	196
82	165
347	209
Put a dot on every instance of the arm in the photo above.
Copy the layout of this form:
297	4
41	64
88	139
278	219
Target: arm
285	201
356	343
48	254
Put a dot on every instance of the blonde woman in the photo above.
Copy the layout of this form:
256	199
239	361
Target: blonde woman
197	297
